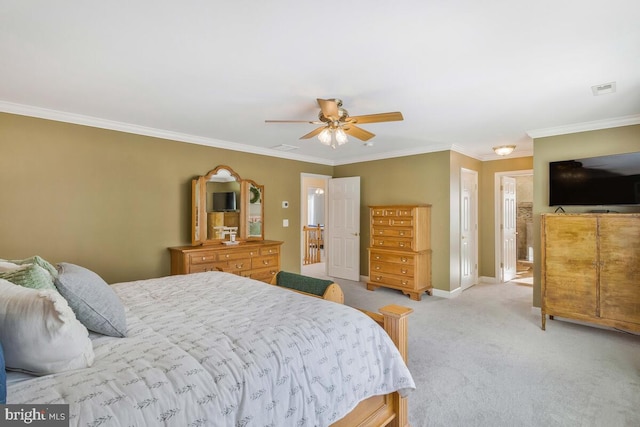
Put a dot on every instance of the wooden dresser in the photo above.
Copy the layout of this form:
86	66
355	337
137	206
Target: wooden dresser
400	249
591	268
257	259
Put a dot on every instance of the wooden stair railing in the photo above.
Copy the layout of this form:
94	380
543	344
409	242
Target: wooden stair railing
313	243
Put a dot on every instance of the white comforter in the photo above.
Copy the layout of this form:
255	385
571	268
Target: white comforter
214	349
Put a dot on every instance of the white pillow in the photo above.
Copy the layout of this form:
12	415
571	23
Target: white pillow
6	266
40	333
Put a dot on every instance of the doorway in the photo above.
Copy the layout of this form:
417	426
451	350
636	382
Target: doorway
313	211
514	226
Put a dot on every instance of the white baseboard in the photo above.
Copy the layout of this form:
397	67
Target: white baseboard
446	294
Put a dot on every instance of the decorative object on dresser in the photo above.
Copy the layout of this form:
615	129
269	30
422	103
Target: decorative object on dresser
591	268
400	250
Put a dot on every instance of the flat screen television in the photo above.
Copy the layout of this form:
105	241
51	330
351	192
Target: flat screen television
595	181
224	201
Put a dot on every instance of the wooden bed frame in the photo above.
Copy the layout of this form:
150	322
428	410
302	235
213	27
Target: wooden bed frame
377	411
391	409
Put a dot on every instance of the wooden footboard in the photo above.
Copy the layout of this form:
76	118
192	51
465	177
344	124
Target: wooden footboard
391	409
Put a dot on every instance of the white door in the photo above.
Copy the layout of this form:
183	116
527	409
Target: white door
468	228
343	228
508	228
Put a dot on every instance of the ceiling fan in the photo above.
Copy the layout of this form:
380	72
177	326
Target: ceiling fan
337	123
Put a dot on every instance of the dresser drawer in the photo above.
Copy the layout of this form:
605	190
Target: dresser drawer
393	231
392	243
236	265
201	268
392	280
265	261
264	274
392	212
235	255
392	268
202	258
408	259
270	250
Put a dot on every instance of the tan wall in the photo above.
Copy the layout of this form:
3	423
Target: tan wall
564	147
114	201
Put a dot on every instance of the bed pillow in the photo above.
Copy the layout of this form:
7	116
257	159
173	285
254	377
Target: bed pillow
39	332
30	276
94	302
37	260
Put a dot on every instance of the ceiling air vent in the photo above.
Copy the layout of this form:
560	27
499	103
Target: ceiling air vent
603	89
284	147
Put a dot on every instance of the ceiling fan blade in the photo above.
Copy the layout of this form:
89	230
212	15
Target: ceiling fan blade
313	133
375	118
357	132
329	108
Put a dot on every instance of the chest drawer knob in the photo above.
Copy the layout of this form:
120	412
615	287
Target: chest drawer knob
265	262
377	257
403	259
203	258
377	267
402	244
403	271
402	233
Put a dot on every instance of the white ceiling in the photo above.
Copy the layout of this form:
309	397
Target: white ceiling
467	75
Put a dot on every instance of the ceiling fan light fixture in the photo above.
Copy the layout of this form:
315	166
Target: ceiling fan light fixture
504	150
325	136
341	136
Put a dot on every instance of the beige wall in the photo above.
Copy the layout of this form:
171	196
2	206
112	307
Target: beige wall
564	147
114	201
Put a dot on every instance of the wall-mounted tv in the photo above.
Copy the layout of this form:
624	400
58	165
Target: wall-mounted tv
595	181
224	201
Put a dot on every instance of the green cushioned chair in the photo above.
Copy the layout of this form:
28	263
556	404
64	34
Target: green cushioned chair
319	288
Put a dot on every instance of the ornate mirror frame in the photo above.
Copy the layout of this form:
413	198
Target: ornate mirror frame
208	227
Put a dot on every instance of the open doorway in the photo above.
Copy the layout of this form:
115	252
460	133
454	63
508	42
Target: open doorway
313	212
514	226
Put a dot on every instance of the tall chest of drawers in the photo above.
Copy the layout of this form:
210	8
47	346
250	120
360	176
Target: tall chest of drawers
400	249
259	260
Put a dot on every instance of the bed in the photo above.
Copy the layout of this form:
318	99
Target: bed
219	349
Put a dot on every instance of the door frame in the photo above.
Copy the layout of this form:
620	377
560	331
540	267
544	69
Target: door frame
498	213
303	219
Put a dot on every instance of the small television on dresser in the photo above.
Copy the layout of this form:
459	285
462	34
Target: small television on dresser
595	181
224	201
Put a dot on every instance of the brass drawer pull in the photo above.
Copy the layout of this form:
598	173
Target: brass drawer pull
403	259
265	262
377	267
403	271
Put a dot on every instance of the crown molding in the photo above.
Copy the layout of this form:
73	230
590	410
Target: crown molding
585	126
78	119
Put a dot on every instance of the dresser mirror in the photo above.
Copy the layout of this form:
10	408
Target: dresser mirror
225	208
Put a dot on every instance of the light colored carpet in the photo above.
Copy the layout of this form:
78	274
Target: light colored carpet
482	360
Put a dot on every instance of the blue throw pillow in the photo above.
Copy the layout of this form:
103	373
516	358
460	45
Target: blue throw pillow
3	378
